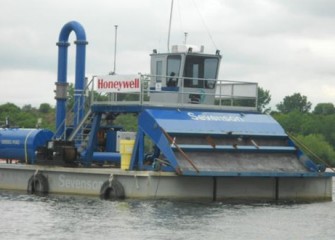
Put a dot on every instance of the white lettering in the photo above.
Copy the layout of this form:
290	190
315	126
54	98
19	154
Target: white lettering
212	117
10	142
78	184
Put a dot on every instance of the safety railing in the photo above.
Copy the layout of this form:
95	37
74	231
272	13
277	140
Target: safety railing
71	114
191	92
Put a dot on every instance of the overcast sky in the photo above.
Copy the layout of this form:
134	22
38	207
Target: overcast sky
287	46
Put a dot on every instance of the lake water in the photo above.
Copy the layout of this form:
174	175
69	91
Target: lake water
25	216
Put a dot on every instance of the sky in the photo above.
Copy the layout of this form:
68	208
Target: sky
287	46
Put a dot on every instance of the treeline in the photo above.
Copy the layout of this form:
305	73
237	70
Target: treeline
315	131
311	129
27	116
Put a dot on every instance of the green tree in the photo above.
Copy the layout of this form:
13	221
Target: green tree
324	109
128	121
325	126
45	108
317	148
9	111
264	99
26	120
27	117
9	108
296	102
292	122
27	108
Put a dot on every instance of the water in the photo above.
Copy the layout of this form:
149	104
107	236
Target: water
71	217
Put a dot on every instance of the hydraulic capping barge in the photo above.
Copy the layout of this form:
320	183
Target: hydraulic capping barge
198	138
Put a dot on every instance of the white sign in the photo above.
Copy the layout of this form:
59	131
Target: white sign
158	86
118	83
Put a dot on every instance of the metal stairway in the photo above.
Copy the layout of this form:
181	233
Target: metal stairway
81	133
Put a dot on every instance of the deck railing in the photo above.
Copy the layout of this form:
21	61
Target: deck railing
224	94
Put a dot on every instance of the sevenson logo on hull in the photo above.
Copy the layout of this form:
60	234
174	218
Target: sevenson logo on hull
214	117
70	183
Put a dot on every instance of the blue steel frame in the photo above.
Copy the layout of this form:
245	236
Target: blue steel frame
154	122
87	156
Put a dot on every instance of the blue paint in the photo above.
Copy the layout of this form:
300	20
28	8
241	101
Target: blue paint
22	144
202	122
110	157
79	74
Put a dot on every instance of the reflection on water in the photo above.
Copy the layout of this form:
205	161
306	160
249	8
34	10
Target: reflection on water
73	217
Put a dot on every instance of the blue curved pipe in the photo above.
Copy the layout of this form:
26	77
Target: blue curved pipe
62	76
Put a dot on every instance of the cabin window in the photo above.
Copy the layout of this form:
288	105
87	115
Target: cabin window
195	74
173	69
198	69
210	71
159	71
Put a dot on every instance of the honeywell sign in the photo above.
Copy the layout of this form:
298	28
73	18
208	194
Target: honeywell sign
118	83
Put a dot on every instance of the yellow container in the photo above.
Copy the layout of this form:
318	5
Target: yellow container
126	149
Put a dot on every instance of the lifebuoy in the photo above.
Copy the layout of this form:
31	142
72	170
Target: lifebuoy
112	190
38	184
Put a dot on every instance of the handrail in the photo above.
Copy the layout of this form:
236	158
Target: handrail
82	107
227	94
80	125
230	95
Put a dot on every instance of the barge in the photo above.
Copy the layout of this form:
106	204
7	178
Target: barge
198	138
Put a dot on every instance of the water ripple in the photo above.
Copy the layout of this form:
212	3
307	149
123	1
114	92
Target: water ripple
73	217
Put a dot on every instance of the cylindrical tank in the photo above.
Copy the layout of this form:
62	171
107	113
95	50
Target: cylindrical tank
22	143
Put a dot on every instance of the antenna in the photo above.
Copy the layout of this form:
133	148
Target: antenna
185	33
115	44
168	43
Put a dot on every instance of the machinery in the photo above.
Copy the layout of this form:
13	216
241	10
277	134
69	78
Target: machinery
22	144
196	124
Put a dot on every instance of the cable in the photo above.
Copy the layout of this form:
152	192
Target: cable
158	182
203	22
302	145
180	17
